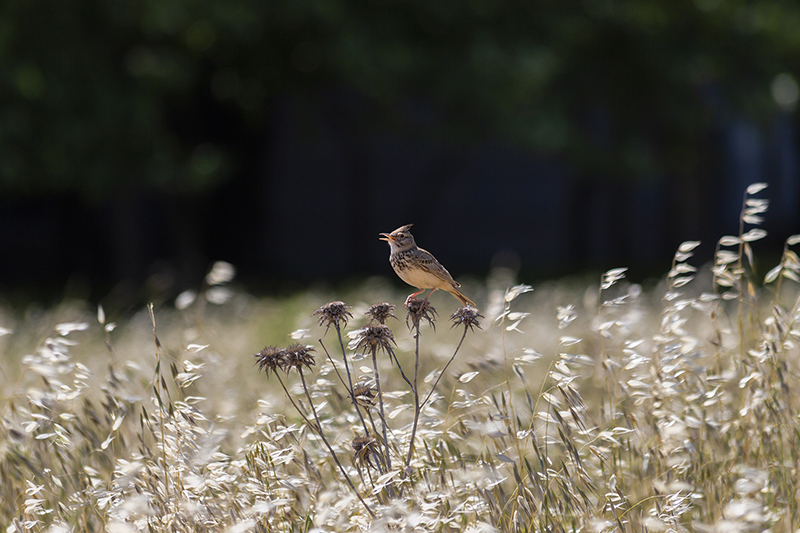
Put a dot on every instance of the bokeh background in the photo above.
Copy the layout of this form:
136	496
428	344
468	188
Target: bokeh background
142	140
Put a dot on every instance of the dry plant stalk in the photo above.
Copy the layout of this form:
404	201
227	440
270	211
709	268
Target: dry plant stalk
618	409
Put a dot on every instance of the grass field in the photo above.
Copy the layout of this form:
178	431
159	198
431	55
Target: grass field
565	408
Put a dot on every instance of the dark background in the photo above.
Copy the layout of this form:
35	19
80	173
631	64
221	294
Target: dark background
142	140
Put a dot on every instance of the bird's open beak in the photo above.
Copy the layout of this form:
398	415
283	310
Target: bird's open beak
385	237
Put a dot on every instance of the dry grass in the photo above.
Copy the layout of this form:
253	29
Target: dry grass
606	408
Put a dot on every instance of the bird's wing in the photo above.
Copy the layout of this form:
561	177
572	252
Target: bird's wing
430	264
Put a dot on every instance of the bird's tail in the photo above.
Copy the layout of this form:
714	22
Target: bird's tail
460	296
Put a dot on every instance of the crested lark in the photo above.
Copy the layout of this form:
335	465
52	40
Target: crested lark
418	267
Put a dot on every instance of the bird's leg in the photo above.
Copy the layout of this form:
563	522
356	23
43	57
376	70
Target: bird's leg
410	296
429	294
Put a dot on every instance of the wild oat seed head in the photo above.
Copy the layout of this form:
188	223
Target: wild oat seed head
270	359
381	312
360	442
333	314
374	337
364	394
362	389
363	447
298	356
418	310
466	316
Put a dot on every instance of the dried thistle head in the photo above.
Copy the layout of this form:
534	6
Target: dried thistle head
298	356
466	316
270	359
381	312
373	337
418	310
333	314
363	447
364	394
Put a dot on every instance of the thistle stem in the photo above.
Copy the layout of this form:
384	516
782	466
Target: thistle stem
452	357
330	448
380	402
416	401
350	379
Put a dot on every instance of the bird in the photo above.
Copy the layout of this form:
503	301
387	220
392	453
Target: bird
418	267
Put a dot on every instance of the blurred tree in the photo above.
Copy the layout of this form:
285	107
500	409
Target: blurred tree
101	95
113	99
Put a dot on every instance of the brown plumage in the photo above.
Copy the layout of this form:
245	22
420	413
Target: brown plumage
418	267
